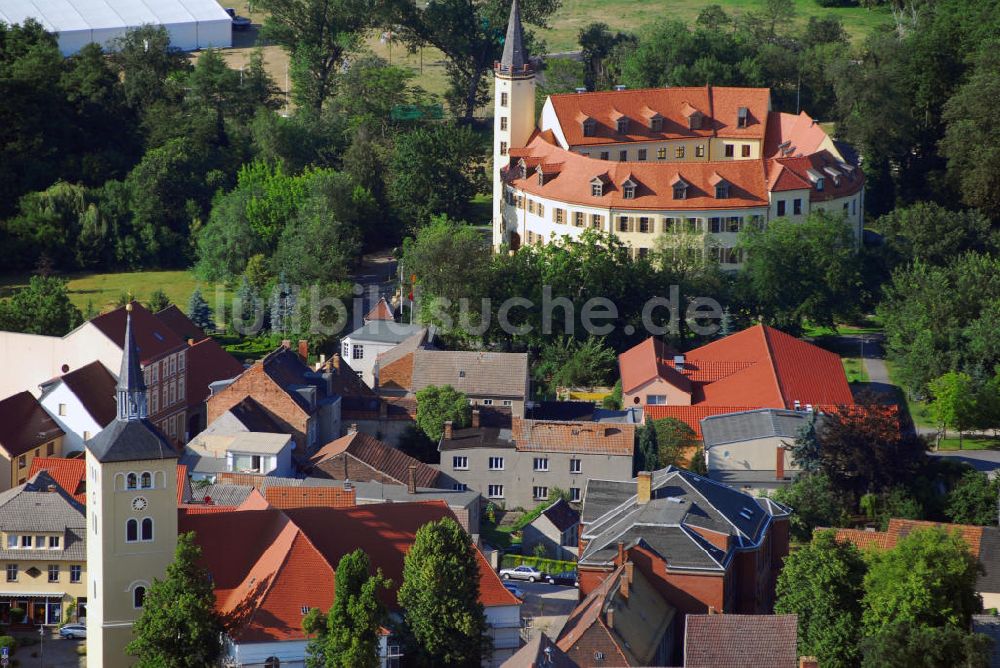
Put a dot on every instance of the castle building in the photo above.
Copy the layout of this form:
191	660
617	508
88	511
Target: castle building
131	514
702	161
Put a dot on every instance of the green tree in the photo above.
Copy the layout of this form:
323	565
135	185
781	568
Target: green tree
349	635
449	258
816	502
931	233
646	455
145	60
806	448
674	440
597	43
179	626
440	597
425	159
905	645
821	582
568	362
974	500
437	405
954	402
249	311
928	578
158	300
803	270
199	312
43	307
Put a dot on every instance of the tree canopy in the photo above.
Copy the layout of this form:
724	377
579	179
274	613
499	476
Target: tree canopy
437	405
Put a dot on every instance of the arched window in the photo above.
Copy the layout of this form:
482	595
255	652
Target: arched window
146	481
138	596
131	531
130	481
272	662
147	529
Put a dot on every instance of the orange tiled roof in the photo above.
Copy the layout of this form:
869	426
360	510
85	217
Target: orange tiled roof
380	311
654	181
690	415
576	437
718	105
790	135
839	179
381	457
71	475
900	528
864	540
308	497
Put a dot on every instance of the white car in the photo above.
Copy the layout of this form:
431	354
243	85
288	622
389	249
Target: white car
529	573
73	631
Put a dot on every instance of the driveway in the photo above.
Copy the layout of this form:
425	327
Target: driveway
987	461
54	652
547	607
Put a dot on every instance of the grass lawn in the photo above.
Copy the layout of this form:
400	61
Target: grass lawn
919	410
103	290
855	370
970	443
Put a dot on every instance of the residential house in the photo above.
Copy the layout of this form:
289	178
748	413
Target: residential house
704	545
623	621
26	431
303	402
375	337
556	530
519	466
271	566
751	450
208	364
741	641
539	652
82	403
43	552
262	453
759	367
489	380
360	457
642	164
30	361
983	542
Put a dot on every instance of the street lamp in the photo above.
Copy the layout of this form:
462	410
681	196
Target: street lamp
41	645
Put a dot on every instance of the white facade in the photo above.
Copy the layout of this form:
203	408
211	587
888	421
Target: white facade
191	24
513	124
504	622
361	355
28	360
69	413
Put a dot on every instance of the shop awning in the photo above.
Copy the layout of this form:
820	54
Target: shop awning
31	594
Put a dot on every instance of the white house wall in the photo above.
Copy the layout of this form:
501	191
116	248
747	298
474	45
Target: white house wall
77	422
550	121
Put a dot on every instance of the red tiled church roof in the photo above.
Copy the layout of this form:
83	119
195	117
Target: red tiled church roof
71	475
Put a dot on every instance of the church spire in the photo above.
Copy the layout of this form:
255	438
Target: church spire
131	385
515	56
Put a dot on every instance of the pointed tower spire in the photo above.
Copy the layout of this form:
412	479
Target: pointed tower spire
131	384
515	57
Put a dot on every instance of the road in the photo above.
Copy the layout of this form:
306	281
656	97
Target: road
547	606
56	653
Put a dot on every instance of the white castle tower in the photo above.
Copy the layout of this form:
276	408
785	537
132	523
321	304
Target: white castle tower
131	515
513	114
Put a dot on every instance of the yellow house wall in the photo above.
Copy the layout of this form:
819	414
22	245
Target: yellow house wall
17	474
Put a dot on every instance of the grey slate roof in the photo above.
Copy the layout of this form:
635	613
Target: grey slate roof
740	478
222	494
384	331
561	515
752	425
515	56
989	557
129	441
33	507
681	502
474	373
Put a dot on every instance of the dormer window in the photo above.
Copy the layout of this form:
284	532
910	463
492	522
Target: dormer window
589	127
680	190
722	190
820	183
541	178
695	120
522	168
628	189
622	125
742	117
597	188
656	123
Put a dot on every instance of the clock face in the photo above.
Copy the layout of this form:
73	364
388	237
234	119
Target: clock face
139	503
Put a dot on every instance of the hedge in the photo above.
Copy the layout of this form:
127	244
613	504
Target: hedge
550	566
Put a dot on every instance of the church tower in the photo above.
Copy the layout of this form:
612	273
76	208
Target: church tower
513	115
131	514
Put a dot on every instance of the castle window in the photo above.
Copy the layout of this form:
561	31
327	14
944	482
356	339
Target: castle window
622	156
699	151
628	190
644	224
597	221
661	154
730	150
503	122
596	189
680	190
622	126
589	127
503	99
578	218
642	155
679	152
138	597
722	190
623	224
146	480
742	117
656	124
559	216
147	529
605	155
694	121
131	531
503	148
715	225
745	150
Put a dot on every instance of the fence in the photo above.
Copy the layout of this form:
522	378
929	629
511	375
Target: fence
550	566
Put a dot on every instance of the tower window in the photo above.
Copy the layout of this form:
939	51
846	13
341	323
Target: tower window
146	480
503	148
503	122
131	531
147	529
503	99
131	481
138	597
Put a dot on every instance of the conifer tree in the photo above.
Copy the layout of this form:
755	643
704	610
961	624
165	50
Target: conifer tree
199	311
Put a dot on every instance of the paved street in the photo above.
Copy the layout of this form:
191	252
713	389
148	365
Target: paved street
57	653
548	606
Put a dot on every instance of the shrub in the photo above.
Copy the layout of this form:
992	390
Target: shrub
17	615
9	642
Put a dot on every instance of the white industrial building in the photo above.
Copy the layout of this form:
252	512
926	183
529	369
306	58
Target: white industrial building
192	24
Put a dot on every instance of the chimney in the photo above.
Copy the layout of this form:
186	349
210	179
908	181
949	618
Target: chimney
679	362
322	359
190	342
808	662
626	583
353	428
621	552
50	488
798	405
286	344
335	361
712	610
304	350
411	479
448	430
644	487
475	418
609	617
779	463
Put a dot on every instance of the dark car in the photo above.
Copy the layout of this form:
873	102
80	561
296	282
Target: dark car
567	579
239	22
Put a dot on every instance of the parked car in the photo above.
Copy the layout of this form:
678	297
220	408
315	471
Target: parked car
567	579
239	22
73	631
514	589
529	573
